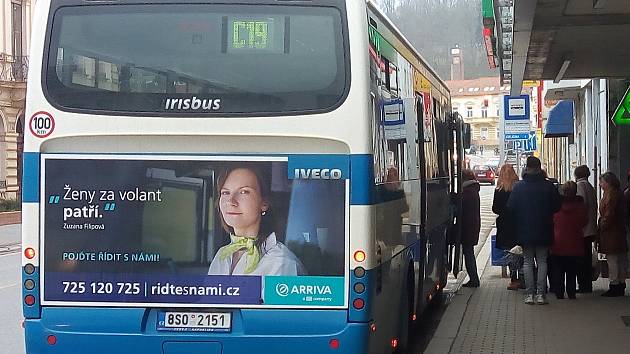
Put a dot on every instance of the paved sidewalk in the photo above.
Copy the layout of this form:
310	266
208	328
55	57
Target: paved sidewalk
10	217
10	234
447	330
492	319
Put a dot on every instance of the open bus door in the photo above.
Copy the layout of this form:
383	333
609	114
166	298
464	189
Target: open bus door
460	141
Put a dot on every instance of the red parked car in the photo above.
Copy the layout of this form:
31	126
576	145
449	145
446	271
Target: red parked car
484	173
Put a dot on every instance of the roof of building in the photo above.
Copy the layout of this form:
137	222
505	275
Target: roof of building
477	87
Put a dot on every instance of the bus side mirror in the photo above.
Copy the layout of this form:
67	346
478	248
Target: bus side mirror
466	135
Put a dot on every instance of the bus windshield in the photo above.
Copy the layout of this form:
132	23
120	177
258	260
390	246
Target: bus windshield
196	58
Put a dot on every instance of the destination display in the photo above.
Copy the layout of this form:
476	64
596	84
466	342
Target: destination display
191	230
256	34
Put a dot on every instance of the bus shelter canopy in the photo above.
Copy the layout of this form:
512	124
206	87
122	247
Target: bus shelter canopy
567	39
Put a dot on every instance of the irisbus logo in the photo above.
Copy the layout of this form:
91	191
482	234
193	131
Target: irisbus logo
193	104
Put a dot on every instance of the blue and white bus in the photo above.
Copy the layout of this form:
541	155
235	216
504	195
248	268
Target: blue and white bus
221	177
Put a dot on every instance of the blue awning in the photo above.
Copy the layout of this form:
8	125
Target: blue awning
560	122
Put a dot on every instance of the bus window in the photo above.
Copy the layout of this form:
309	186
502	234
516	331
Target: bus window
397	160
108	76
142	58
436	109
393	79
84	72
387	78
377	142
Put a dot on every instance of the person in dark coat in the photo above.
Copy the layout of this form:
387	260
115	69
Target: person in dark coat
568	240
534	201
506	225
471	225
611	237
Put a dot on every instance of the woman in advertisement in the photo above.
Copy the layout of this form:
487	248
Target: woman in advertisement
245	214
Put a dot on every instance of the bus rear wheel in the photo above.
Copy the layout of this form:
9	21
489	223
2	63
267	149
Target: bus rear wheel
408	325
438	298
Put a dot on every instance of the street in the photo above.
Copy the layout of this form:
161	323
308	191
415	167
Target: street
11	333
487	216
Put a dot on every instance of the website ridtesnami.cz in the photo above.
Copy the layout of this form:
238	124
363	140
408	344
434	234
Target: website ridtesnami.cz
170	289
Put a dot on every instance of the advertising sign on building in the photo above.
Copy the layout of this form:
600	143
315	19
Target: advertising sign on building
527	145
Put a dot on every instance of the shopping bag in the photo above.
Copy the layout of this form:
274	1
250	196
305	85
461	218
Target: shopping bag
603	265
595	266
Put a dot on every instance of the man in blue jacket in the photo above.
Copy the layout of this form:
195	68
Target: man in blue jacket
533	202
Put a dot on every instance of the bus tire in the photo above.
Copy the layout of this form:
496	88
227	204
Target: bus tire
438	298
406	332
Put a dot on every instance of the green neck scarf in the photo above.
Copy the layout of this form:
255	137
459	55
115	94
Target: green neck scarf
251	251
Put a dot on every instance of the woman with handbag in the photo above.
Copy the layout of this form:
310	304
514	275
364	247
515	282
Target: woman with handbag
611	236
506	225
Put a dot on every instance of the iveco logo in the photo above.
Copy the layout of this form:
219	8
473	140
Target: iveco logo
282	290
317	173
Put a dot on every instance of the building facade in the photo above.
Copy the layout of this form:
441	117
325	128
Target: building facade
14	45
592	137
478	101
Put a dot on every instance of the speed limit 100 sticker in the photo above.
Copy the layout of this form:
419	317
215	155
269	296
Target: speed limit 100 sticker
42	124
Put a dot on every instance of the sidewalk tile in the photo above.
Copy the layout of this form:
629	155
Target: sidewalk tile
497	321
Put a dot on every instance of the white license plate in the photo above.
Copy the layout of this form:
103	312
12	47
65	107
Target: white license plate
481	175
195	321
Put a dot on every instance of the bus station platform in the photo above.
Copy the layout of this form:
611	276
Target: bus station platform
492	319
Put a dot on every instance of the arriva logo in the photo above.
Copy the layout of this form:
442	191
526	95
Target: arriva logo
317	173
282	290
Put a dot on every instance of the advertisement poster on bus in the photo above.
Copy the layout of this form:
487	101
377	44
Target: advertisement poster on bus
159	230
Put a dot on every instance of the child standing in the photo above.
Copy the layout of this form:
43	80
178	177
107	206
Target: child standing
568	240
